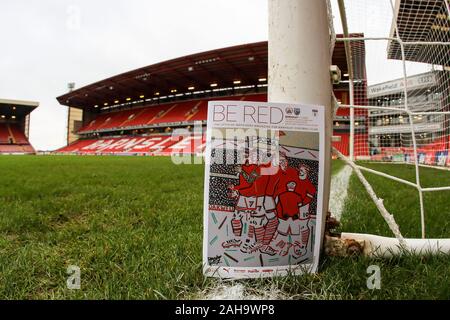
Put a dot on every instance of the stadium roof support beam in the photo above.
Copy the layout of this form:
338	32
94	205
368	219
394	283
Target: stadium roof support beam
302	76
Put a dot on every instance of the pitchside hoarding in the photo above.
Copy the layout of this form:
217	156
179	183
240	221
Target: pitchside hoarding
263	189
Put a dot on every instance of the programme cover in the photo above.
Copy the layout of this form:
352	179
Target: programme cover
263	189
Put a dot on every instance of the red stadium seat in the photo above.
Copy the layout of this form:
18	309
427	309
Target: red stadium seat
180	112
148	115
343	144
4	133
151	145
18	136
16	148
13	140
183	112
116	119
195	110
94	124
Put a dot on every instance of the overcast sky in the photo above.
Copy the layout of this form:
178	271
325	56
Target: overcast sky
48	43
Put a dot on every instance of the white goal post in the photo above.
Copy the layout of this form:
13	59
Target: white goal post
298	73
406	118
402	114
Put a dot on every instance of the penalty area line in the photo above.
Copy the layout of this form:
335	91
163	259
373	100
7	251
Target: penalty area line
338	191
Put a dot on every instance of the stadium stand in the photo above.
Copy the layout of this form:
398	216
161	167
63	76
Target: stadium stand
76	146
14	125
4	133
153	101
150	145
147	116
433	153
343	144
195	110
14	148
17	135
165	115
13	140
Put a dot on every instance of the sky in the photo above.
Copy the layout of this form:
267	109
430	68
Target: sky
49	43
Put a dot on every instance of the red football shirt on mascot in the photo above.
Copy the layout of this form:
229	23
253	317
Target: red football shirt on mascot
304	186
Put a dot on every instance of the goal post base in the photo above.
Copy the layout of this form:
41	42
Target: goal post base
348	244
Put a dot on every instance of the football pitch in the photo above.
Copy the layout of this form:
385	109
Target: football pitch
133	225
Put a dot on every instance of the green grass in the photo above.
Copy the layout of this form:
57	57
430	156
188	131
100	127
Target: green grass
361	215
130	224
337	165
134	227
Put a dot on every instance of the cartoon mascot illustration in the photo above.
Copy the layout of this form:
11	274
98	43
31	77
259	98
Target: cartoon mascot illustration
263	221
307	191
294	194
243	193
273	201
255	205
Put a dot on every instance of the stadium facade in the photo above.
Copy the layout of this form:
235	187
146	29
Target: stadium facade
428	94
390	131
137	112
15	126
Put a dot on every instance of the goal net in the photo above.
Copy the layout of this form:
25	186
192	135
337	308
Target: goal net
397	109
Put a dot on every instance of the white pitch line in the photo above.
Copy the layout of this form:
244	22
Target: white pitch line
223	291
338	191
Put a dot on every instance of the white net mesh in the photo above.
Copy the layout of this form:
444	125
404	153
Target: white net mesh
398	109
